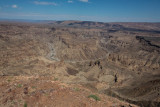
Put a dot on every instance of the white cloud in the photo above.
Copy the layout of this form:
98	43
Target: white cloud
84	1
14	6
45	3
70	1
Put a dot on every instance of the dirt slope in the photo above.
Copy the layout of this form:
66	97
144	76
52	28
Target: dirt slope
49	92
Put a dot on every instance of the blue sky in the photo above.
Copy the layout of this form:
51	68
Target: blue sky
88	10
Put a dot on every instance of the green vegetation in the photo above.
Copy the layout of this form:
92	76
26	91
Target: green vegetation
46	94
13	102
33	87
94	97
9	80
76	89
25	104
55	79
19	85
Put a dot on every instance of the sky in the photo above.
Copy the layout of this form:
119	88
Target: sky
86	10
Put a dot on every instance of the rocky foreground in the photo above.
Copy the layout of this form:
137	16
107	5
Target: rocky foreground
19	91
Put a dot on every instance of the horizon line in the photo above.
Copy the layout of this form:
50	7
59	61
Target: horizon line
34	20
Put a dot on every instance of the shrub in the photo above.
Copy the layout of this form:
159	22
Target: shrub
76	89
25	104
33	87
19	85
55	79
9	80
94	97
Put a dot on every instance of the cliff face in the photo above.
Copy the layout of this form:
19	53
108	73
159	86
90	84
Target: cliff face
75	48
136	54
104	57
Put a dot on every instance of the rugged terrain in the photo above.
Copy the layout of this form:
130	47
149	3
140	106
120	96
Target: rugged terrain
120	62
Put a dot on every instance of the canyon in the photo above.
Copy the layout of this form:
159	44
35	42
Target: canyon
69	60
